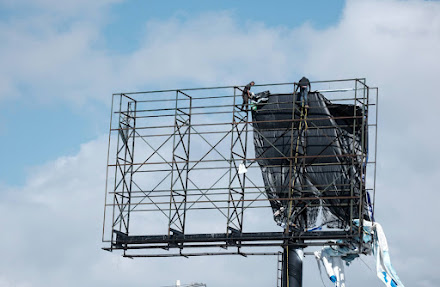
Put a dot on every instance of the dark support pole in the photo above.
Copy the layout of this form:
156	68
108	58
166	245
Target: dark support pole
292	267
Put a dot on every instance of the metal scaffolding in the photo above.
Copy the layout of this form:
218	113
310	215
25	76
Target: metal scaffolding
173	182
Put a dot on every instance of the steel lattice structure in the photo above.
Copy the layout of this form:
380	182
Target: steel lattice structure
173	180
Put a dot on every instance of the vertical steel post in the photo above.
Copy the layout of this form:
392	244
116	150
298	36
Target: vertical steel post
231	158
131	167
107	169
239	126
292	267
363	165
180	166
375	148
292	256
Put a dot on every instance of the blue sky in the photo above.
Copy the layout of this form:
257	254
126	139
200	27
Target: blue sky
36	131
128	19
61	61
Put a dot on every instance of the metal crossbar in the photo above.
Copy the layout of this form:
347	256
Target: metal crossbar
182	164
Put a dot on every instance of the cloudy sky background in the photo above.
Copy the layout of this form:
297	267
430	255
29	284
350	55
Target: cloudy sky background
61	61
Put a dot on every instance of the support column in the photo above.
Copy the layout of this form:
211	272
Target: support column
292	267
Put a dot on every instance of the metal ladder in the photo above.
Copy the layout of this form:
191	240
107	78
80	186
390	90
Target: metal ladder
279	268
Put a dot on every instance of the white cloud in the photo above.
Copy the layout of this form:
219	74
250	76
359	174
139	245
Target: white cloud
211	49
52	223
53	234
69	63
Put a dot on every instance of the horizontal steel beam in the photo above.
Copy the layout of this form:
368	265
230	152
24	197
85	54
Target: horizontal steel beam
227	238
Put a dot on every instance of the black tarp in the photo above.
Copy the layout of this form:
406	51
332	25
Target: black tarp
318	154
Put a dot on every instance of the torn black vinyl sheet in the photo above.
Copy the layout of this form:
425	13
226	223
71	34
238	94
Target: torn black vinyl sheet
314	155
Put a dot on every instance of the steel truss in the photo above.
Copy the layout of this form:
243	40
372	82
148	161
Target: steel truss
173	153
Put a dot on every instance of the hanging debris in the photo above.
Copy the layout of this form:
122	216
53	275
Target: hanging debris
314	155
373	241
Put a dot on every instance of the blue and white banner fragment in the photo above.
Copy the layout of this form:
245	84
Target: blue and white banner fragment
332	257
385	270
333	264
